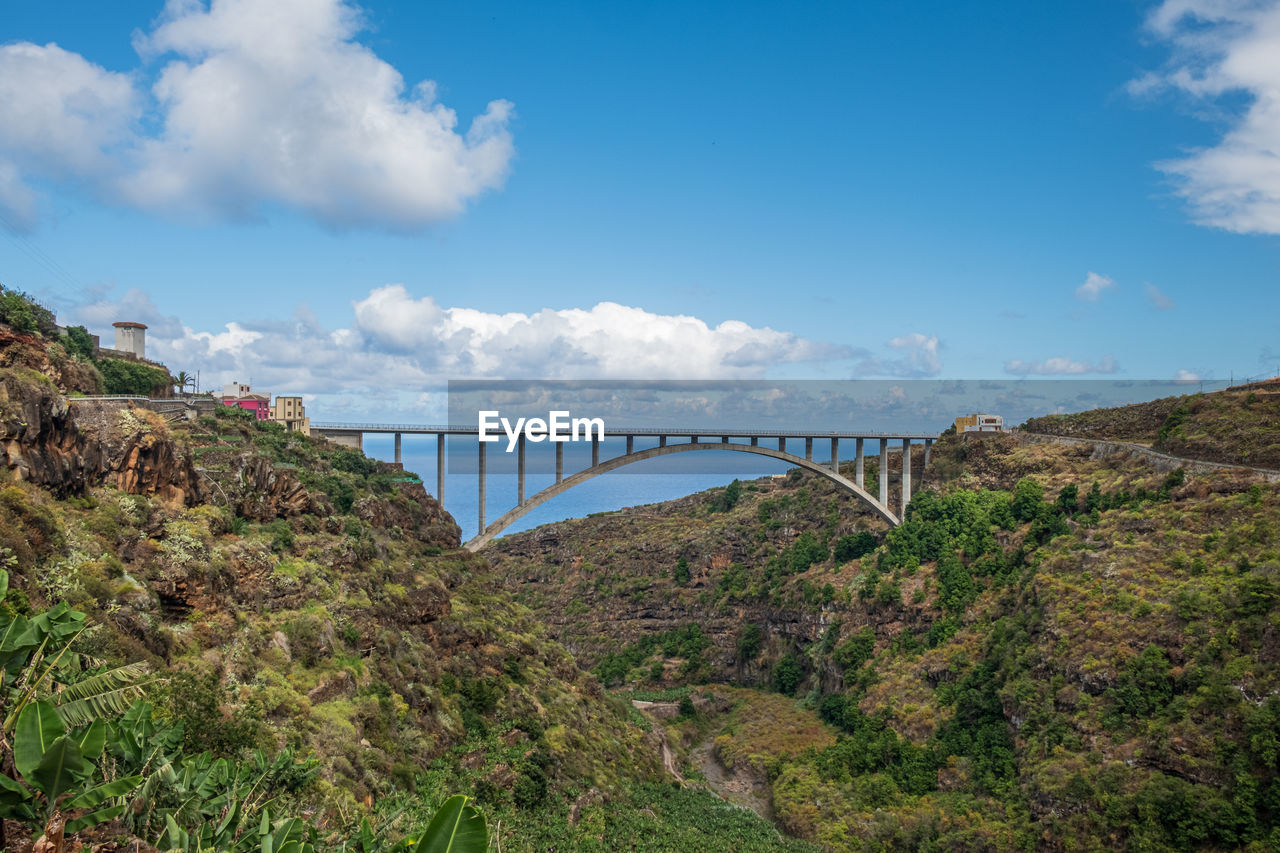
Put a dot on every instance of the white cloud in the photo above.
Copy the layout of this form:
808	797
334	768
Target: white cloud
1093	286
401	348
1060	367
1225	48
608	340
1158	299
1186	376
919	359
258	105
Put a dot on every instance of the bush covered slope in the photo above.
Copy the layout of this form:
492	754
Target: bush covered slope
287	592
1239	426
1056	651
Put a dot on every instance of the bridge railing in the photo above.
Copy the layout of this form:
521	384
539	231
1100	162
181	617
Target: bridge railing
617	431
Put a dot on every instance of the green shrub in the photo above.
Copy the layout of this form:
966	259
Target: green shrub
787	674
852	546
23	314
131	378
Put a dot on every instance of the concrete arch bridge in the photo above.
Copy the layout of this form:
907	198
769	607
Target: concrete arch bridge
691	440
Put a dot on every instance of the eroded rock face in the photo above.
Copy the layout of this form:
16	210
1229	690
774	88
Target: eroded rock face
417	514
267	493
68	448
39	440
150	465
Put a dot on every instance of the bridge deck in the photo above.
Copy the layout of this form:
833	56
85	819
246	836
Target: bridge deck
622	432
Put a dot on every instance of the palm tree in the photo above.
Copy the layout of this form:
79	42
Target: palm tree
183	380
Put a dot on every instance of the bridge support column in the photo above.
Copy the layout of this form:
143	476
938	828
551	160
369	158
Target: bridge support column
520	470
724	439
808	448
782	445
595	451
559	461
440	467
906	477
884	472
693	439
755	440
482	472
857	467
662	441
928	445
631	444
398	459
835	455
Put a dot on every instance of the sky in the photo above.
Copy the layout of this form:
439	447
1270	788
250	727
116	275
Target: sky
359	202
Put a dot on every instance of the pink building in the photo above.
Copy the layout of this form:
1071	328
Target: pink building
242	397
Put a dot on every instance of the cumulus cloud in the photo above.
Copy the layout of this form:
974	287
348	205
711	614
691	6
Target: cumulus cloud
401	348
919	358
255	105
1060	367
1186	376
608	340
1158	299
1093	286
1222	50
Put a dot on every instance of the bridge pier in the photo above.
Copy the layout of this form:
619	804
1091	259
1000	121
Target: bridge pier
884	472
559	462
595	451
724	439
520	470
857	467
399	461
755	440
906	477
693	439
662	441
782	445
631	444
928	445
808	448
835	455
482	465
440	468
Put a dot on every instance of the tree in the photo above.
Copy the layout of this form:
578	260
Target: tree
851	546
79	343
184	380
681	573
1069	499
750	641
787	674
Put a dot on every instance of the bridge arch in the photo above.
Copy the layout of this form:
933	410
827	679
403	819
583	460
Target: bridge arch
487	535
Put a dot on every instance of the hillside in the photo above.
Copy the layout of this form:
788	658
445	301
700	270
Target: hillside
1238	426
283	603
1059	650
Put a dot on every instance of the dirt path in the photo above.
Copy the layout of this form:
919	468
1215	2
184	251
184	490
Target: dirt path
739	787
660	711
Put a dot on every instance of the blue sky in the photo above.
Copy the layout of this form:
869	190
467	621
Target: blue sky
800	190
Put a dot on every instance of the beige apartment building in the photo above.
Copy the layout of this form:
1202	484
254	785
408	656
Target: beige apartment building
290	412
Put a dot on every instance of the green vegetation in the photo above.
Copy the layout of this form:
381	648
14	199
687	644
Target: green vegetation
131	377
1238	426
23	314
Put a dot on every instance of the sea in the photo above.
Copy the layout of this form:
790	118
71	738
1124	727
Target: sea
646	482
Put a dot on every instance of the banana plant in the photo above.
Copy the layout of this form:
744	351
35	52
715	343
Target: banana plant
58	769
231	835
458	827
37	662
